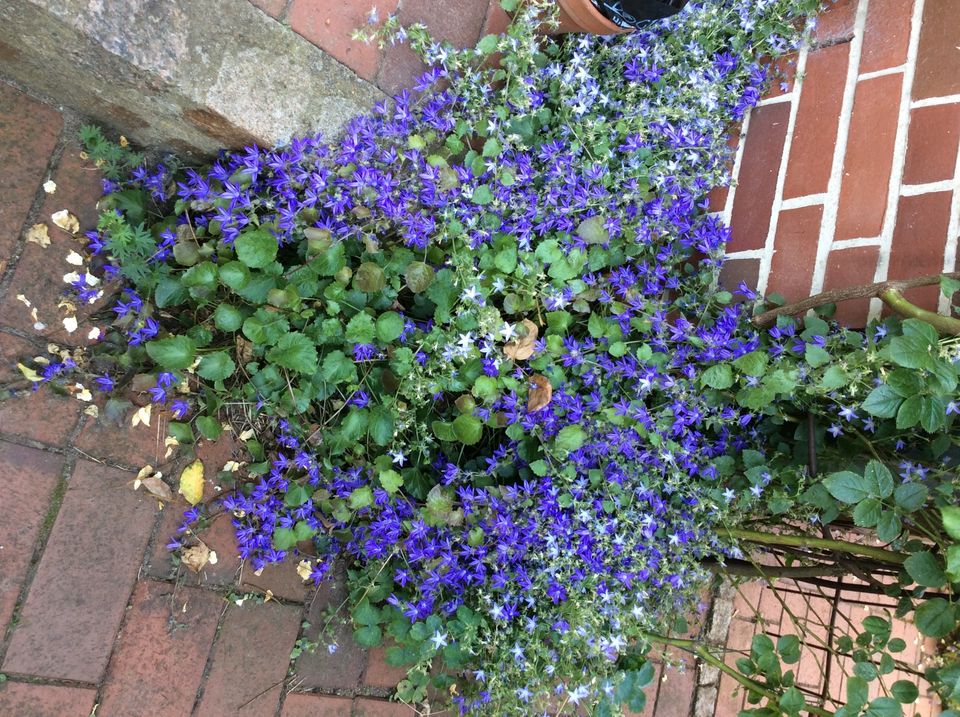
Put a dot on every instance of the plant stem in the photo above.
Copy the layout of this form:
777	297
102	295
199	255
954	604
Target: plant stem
807	541
701	651
866	291
943	324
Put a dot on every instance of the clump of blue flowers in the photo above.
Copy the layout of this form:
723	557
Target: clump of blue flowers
481	342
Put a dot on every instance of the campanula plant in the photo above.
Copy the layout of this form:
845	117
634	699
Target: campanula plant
487	364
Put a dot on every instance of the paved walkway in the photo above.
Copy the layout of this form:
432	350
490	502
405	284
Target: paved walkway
92	611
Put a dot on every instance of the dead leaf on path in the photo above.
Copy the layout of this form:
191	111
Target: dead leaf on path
191	482
155	485
66	221
244	351
196	557
304	569
521	348
38	234
142	416
539	394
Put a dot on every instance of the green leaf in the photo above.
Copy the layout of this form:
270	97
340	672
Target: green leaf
176	352
925	570
228	318
389	326
791	701
816	356
369	278
904	691
337	368
935	618
847	486
570	438
506	260
203	274
487	44
884	707
366	614
169	292
858	691
719	376
181	431
833	378
491	148
265	327
881	477
361	497
889	526
867	512
753	363
418	276
910	496
284	538
789	648
593	231
296	496
921	330
257	248
882	402
953	563
209	427
216	366
467	429
361	329
303	531
381	425
482	195
234	275
910	351
909	414
296	352
391	481
950	514
368	636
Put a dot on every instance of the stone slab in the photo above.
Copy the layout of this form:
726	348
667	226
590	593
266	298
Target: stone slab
188	76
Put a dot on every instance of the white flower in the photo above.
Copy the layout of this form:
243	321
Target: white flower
439	639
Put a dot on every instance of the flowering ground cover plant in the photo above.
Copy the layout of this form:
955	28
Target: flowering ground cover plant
481	345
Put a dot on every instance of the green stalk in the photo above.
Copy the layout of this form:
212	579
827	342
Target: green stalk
701	651
943	324
807	541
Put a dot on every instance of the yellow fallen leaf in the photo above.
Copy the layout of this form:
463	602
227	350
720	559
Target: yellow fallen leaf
29	373
37	234
304	569
142	416
191	482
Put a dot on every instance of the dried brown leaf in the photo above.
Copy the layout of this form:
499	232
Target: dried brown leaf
521	348
540	393
244	351
66	221
38	234
155	486
196	557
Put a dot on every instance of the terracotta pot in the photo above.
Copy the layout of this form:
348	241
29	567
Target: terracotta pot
582	16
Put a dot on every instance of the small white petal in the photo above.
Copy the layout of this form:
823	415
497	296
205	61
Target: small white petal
49	186
71	277
94	334
90	279
75	259
70	324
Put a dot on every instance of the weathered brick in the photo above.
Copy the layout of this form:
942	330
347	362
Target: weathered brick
729	697
329	27
677	687
836	22
21	699
380	674
938	60
818	116
932	144
123	443
460	22
867	165
281	579
851	267
78	596
757	183
795	252
41	415
652	692
918	243
39	271
782	72
219	537
497	19
273	8
735	271
886	35
161	654
366	707
28	135
30	478
249	660
740	634
306	704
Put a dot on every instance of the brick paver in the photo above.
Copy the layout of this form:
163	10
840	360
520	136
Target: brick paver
161	654
77	599
249	660
364	707
302	704
22	699
932	144
30	479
